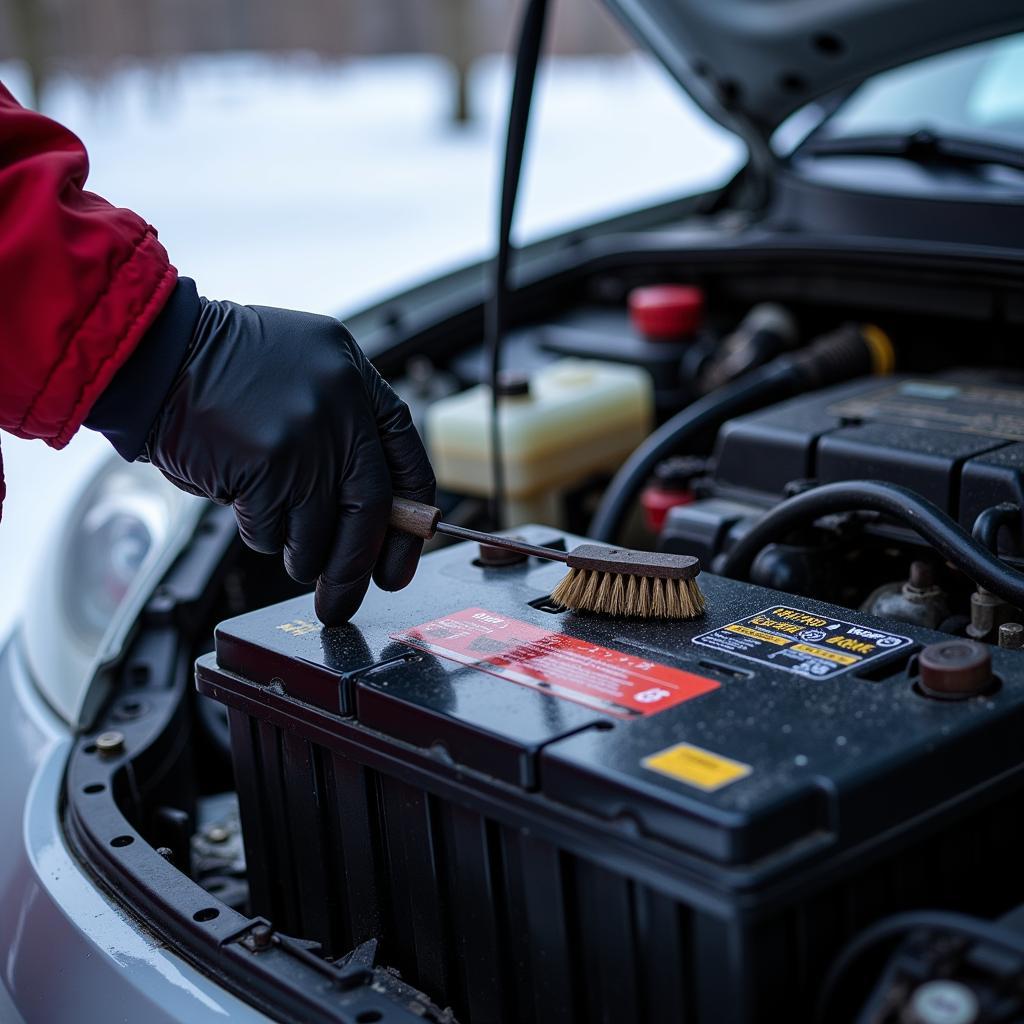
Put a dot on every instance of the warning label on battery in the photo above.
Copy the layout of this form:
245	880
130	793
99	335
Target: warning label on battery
802	642
558	665
697	767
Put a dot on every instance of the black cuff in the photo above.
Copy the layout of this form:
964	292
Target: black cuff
126	410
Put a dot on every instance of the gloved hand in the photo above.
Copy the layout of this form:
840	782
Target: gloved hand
281	415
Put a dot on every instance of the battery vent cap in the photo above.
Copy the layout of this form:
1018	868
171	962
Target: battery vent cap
955	669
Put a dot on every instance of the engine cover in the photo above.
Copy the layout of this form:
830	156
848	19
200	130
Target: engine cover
957	439
552	817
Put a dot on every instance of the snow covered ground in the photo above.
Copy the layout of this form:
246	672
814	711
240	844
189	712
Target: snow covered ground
321	187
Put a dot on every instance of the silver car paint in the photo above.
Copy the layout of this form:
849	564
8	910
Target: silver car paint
68	953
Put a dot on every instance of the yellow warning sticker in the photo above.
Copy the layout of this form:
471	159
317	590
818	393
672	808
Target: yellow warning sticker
697	767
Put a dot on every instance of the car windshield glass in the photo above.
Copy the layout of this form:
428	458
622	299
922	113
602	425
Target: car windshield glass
976	92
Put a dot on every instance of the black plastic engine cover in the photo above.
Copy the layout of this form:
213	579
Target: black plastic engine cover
555	817
954	438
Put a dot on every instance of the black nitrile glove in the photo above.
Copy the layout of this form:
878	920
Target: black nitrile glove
281	415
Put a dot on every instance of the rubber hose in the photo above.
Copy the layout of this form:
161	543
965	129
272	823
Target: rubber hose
991	520
759	387
946	536
847	352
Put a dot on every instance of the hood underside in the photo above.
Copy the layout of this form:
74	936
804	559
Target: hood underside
752	63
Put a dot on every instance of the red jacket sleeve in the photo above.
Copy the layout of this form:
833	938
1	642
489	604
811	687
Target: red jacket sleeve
80	280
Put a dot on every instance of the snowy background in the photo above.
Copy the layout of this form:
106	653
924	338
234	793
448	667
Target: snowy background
325	186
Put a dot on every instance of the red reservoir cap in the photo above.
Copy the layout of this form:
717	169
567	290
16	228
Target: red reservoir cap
666	312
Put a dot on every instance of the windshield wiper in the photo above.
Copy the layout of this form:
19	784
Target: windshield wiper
922	147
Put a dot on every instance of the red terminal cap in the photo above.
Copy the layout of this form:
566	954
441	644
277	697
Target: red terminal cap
666	312
656	503
671	485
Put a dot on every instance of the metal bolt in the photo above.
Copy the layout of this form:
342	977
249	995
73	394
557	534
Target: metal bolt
922	575
1011	636
261	936
110	743
166	852
218	834
985	610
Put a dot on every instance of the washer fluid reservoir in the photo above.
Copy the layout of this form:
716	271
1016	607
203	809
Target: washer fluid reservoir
575	418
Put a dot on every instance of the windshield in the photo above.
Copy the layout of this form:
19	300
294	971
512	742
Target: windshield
976	92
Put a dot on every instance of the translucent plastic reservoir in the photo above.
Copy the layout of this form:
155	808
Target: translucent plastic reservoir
579	418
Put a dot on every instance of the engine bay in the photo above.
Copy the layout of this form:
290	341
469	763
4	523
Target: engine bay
950	432
491	809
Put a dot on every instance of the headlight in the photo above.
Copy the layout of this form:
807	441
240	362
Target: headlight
110	550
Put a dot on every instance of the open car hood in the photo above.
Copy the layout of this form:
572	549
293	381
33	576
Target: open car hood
751	63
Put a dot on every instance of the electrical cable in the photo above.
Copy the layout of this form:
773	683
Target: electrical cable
893	927
531	34
945	535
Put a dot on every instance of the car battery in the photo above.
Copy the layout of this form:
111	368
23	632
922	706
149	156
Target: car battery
544	816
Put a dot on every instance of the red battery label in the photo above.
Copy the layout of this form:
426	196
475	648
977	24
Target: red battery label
562	666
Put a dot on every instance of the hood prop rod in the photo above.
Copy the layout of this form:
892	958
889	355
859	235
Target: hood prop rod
531	34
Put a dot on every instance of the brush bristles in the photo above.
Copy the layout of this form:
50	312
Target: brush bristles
644	597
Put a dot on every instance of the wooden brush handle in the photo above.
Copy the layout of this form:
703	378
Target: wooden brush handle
424	521
414	517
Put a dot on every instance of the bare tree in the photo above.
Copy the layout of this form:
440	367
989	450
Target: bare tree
91	38
457	42
27	18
